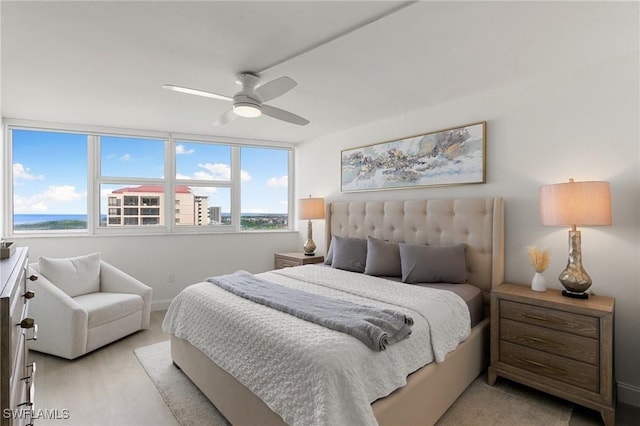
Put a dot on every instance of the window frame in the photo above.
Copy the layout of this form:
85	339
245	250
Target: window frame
168	181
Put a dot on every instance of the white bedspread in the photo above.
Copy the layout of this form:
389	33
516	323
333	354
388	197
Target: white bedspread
306	373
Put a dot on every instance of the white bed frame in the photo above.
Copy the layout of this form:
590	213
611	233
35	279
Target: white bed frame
430	391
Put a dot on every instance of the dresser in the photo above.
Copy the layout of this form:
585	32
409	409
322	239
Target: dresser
555	344
16	328
286	260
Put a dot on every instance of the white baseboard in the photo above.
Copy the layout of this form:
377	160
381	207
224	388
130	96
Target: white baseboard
629	394
160	305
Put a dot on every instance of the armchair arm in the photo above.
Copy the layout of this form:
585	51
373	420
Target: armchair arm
113	280
63	322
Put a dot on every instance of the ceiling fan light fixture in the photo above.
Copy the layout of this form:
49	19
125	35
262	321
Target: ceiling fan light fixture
247	110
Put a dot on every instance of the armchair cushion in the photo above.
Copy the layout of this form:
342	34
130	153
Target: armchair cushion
75	275
107	307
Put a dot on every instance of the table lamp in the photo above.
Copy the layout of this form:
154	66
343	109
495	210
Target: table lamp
572	204
309	209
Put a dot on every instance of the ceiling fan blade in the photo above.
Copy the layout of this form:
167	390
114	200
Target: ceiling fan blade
275	88
283	115
228	116
196	92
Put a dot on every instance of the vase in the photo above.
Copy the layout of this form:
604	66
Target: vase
539	283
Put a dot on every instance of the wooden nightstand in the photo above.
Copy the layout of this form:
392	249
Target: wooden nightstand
285	260
555	344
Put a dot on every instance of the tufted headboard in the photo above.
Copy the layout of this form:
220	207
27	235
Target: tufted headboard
477	222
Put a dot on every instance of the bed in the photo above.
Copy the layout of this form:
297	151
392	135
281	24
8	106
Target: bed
478	223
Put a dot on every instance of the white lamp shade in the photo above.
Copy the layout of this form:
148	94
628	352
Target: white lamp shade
310	208
575	203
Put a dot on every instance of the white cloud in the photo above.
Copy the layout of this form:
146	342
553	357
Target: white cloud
22	172
126	157
57	193
218	171
278	182
40	202
180	149
255	211
179	176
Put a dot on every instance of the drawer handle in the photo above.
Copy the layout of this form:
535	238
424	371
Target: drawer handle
30	396
33	277
31	374
35	333
29	295
545	319
543	341
546	367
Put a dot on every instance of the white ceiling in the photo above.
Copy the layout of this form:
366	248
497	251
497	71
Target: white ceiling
103	63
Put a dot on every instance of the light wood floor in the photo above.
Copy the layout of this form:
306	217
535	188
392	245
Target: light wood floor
105	387
110	387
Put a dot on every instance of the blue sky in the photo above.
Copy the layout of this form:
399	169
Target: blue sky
50	171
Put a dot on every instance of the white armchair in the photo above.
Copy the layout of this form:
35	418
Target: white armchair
84	303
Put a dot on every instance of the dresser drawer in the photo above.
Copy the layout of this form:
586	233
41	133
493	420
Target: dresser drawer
565	370
18	312
567	322
572	346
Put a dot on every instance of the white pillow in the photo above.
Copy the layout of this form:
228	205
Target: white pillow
75	275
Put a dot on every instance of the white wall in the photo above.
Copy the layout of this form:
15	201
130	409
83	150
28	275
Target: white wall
581	123
170	263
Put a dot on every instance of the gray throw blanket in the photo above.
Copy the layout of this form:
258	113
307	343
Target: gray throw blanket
375	327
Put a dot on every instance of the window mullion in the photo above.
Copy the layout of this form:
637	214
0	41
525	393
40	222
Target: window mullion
93	185
170	183
236	195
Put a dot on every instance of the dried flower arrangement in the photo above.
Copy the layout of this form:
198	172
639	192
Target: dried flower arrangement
539	259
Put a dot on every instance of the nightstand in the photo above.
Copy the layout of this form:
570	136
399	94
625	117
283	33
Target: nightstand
285	260
555	344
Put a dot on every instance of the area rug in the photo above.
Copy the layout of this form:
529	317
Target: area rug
506	403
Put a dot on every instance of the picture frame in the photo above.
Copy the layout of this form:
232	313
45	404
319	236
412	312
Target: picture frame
452	156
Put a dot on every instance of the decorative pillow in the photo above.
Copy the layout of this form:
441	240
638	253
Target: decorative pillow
433	264
349	254
383	258
75	275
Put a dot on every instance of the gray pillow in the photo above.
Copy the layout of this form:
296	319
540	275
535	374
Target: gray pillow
383	258
433	264
349	254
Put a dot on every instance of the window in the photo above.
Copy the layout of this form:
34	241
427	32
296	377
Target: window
131	157
203	181
131	174
142	183
265	188
48	193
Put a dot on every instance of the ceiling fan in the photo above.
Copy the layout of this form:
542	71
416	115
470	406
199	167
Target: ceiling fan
249	101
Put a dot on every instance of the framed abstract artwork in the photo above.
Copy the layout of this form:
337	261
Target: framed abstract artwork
454	156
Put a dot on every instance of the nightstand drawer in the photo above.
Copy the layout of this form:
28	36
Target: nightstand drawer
567	322
286	263
572	372
567	345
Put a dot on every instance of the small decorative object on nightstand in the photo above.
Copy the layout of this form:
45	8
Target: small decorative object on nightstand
555	344
285	260
540	262
571	204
